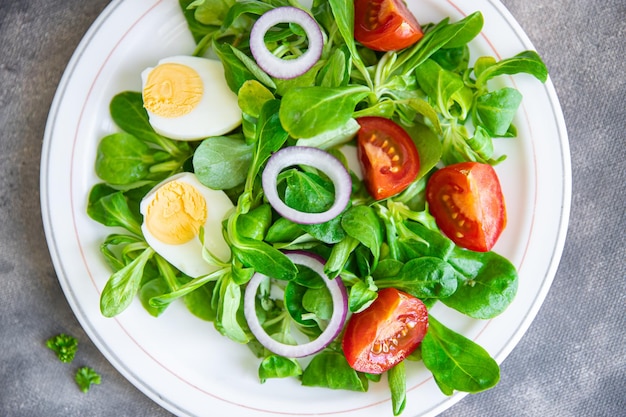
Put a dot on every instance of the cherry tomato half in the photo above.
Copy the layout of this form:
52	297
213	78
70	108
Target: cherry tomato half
385	25
467	202
383	334
388	156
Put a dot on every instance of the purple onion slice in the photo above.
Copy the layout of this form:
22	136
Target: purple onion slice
286	68
316	158
335	325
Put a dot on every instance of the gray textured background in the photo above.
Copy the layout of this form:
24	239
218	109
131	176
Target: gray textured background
571	362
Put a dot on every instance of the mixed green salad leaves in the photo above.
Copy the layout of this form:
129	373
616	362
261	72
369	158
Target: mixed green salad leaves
444	100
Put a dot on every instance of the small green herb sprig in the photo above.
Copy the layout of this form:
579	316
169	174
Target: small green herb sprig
66	346
85	377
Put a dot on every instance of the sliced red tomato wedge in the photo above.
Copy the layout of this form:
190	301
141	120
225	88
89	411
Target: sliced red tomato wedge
385	25
466	201
387	155
381	336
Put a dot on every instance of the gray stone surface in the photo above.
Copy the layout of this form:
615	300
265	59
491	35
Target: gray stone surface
571	362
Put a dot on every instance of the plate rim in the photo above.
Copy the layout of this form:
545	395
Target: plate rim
55	253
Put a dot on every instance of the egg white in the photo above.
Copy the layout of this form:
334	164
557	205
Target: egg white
217	112
187	257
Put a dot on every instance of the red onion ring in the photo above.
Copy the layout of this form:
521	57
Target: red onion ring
286	68
340	310
314	157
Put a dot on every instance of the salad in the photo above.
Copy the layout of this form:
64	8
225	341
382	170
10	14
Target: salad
351	191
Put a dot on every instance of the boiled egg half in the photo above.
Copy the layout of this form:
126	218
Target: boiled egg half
173	213
187	98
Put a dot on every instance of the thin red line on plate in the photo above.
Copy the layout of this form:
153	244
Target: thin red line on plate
83	256
482	34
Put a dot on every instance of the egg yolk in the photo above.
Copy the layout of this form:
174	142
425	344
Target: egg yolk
172	90
176	213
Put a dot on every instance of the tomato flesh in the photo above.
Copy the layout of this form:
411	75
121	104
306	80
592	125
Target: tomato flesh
385	25
466	201
382	335
387	155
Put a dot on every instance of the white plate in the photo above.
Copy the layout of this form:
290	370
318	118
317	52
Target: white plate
180	361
